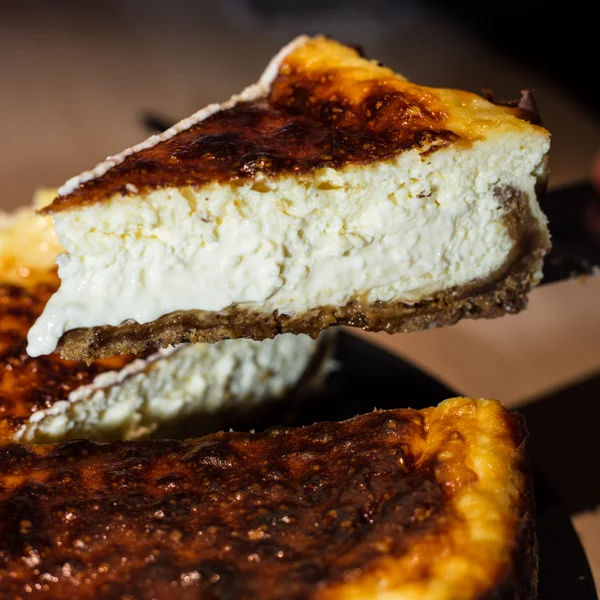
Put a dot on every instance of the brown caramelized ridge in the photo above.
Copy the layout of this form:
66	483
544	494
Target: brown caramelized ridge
328	511
31	384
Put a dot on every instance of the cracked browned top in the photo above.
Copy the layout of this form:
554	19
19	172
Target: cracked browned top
30	384
326	107
285	514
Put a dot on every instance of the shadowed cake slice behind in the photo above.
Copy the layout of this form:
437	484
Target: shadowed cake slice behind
331	192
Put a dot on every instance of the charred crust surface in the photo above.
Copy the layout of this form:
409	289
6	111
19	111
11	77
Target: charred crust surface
312	118
264	137
503	292
283	514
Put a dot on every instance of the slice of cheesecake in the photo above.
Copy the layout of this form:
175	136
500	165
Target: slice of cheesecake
401	504
48	399
331	192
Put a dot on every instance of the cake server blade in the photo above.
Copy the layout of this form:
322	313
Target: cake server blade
574	220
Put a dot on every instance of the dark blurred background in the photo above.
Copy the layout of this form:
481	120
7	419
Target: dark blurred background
557	39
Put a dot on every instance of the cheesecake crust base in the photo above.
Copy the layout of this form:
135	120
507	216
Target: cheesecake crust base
504	291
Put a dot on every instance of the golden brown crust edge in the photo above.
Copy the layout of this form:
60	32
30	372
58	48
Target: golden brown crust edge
519	580
431	503
503	292
481	460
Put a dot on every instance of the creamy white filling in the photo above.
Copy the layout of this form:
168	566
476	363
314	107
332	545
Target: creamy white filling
399	229
174	383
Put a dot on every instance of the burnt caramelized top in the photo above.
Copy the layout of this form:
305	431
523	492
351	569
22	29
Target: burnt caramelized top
30	384
325	107
270	515
262	137
285	514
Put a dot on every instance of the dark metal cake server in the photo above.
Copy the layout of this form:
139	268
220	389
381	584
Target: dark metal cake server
574	215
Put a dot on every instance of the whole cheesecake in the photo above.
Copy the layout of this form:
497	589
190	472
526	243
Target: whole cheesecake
333	191
403	504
